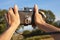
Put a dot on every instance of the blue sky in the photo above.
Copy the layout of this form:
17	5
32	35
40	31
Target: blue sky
53	5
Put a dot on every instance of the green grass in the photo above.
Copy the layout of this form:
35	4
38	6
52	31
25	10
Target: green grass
43	37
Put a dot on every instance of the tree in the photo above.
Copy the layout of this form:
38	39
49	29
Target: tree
57	23
26	32
2	21
50	17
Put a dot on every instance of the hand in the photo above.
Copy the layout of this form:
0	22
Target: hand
38	17
12	17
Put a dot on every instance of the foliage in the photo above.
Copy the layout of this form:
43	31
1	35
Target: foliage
26	32
57	23
44	37
2	21
32	33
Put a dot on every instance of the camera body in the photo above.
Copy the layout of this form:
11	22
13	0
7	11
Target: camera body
27	16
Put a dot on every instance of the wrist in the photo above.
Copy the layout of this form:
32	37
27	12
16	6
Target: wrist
15	24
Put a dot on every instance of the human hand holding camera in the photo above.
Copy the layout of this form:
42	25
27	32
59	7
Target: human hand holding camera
12	17
38	17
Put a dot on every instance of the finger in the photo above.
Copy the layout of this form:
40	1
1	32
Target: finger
9	19
6	17
11	12
36	8
16	9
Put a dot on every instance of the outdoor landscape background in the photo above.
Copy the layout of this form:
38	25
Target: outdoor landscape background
51	7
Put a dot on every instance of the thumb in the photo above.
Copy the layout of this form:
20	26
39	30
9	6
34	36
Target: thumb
36	8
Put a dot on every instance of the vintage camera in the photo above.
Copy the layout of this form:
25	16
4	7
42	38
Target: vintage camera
27	16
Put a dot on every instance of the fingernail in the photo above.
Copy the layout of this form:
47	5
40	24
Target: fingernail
35	5
15	5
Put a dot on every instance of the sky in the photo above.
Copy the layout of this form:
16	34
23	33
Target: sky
53	5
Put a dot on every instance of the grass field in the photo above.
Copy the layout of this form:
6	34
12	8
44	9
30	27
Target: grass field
43	37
